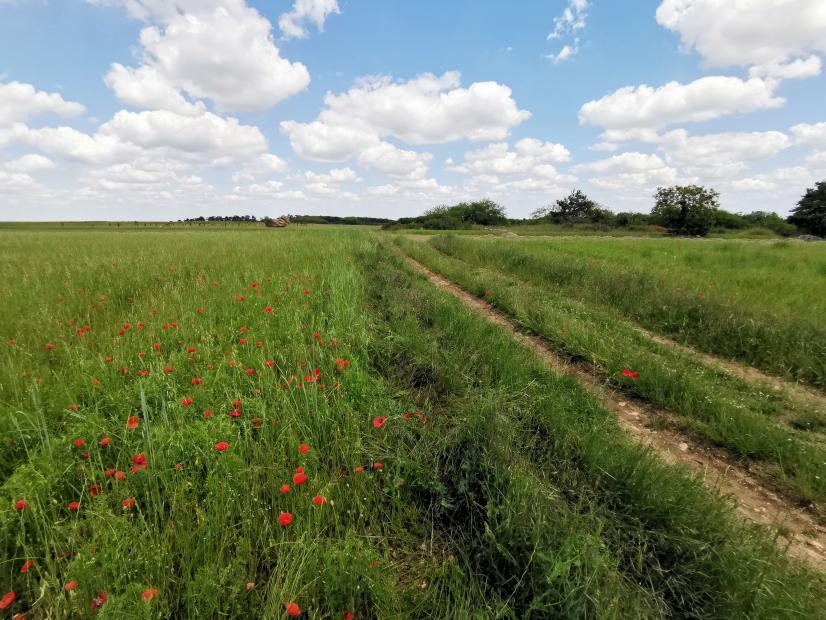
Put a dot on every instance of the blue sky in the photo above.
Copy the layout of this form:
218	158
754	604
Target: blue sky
163	109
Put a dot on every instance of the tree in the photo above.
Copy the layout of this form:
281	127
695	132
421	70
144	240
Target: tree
810	212
685	209
576	207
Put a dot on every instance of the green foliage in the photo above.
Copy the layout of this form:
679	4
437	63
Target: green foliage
810	212
576	208
685	209
460	216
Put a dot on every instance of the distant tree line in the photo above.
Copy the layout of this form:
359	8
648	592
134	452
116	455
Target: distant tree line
688	210
297	219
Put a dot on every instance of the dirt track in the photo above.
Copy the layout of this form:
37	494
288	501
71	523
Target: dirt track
800	529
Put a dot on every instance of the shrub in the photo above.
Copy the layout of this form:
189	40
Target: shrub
686	209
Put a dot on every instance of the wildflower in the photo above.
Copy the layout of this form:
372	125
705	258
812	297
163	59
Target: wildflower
50	346
99	600
119	475
285	518
108	360
79	443
236	404
628	373
109	473
74	506
11	342
69	586
149	594
124	372
95	382
179	466
256	422
208	413
235	413
157	346
84	455
304	448
359	469
144	373
259	344
242	341
133	422
348	615
269	363
199	310
379	422
186	402
300	478
190	349
139	460
105	441
73	407
377	466
129	502
285	488
26	567
197	381
7	600
95	490
268	310
221	446
250	371
292	609
318	500
341	364
306	291
168	368
250	586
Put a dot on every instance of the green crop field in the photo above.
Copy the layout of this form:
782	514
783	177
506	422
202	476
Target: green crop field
234	422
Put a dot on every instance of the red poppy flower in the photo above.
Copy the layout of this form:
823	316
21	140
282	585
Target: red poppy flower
407	415
49	346
242	341
300	478
628	373
108	360
129	502
7	600
109	472
236	404
27	566
348	615
341	364
208	413
359	469
243	329
79	443
11	342
84	455
74	506
69	586
95	490
105	441
127	326
221	446
139	460
199	310
133	422
292	609
99	600
250	371
304	448
190	349
256	422
306	291
379	422
149	594
197	381
285	518
121	332
299	469
318	500
269	363
73	407
377	465
119	475
144	373
268	310
186	402
259	344
285	488
168	368
124	372
179	466
157	346
235	413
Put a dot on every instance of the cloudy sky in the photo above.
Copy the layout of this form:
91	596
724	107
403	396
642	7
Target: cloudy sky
165	109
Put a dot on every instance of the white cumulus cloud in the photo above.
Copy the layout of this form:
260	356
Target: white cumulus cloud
315	11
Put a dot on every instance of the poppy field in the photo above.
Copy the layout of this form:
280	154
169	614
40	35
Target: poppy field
258	424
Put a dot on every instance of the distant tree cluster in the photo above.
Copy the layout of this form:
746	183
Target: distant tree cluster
462	215
223	218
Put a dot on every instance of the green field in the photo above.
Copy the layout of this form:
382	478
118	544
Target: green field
431	466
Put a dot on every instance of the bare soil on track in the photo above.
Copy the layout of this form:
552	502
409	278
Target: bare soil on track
800	529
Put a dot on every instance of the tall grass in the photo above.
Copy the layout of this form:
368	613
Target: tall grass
762	303
725	409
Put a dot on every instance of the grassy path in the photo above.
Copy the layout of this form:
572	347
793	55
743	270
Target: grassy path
801	531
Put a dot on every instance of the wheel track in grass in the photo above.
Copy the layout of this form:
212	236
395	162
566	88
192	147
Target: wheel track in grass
800	530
